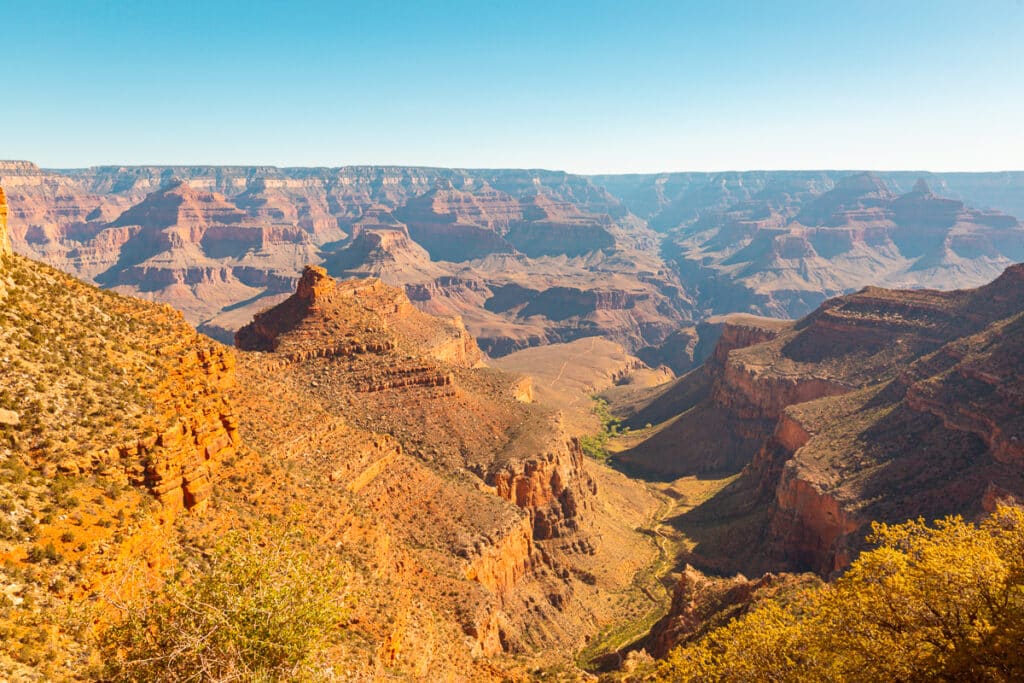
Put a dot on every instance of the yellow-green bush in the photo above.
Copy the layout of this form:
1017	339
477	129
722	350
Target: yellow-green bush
932	602
264	609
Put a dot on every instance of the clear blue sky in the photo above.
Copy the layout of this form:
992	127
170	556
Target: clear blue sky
590	86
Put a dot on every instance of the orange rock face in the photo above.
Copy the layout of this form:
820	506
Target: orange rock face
486	498
327	318
197	430
181	462
552	486
881	405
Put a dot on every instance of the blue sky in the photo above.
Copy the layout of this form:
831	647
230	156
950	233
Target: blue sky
588	87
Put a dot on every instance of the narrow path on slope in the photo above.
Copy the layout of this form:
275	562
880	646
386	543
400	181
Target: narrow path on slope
561	370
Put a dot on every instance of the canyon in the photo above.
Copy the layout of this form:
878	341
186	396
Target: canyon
524	257
415	357
780	243
879	406
476	535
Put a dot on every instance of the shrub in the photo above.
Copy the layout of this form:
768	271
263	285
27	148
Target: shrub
265	608
595	445
47	552
941	602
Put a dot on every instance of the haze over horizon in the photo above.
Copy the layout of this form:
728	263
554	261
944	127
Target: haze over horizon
583	87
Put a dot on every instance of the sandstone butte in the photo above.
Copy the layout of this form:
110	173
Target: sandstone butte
479	540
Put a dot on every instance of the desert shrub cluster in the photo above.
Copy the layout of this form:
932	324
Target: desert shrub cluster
264	606
932	602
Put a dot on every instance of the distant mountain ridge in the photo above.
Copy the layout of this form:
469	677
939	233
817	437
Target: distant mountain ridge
525	257
648	194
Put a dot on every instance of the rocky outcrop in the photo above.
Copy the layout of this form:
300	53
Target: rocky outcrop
930	440
559	303
381	247
732	332
553	487
448	286
326	318
164	422
753	395
702	603
197	430
810	528
539	470
459	224
501	566
407	376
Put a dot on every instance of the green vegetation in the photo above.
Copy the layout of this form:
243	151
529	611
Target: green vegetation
596	445
265	608
74	372
46	553
940	602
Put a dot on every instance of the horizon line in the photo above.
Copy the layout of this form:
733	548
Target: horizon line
280	166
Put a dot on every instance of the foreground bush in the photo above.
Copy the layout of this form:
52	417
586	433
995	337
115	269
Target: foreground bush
941	602
264	609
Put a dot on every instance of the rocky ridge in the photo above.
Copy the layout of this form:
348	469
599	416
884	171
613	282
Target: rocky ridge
114	420
881	405
511	501
220	243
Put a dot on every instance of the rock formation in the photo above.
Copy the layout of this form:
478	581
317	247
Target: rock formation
328	318
781	243
221	243
701	603
770	243
468	522
173	445
511	501
881	405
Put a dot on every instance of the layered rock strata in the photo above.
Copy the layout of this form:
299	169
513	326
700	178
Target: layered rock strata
507	490
882	405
